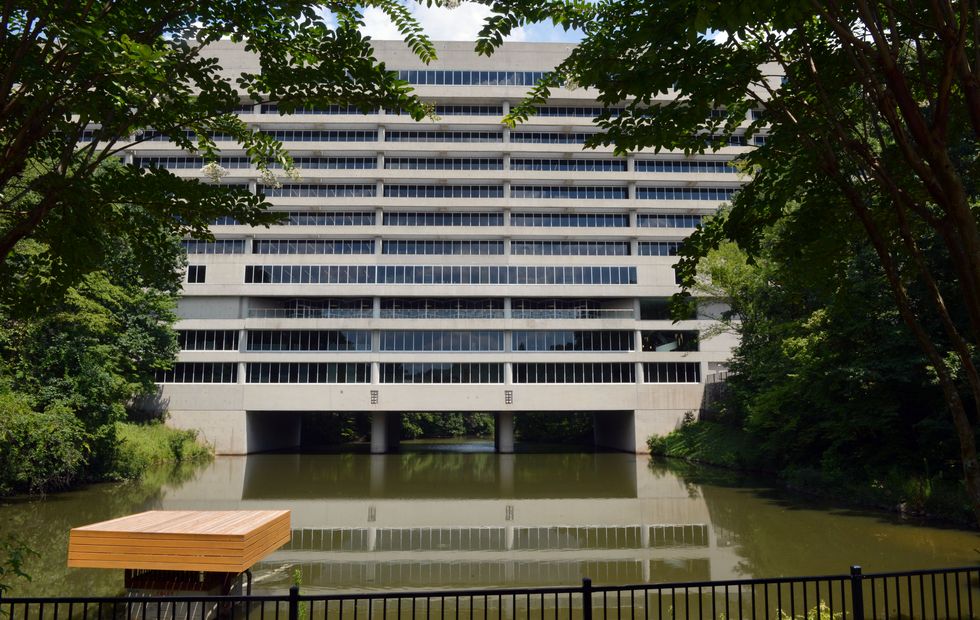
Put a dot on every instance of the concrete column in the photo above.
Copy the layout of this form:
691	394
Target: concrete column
631	189
379	432
375	373
507	308
376	309
503	432
631	163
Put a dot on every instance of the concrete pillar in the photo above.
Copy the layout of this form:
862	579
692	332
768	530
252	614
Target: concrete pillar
503	432
386	428
379	432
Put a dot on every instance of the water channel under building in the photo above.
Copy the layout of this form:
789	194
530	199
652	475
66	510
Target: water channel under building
438	516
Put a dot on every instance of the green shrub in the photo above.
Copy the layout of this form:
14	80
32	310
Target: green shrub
142	446
39	450
707	442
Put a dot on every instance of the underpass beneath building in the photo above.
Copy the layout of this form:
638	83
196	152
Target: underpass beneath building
382	432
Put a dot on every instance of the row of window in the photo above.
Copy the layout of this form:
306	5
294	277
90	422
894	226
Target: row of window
444	191
684	165
442	341
658	248
430	373
451	247
570	220
685	193
309	340
559	192
623	372
436	274
433	135
444	163
570	248
565	192
426	372
466	219
324	135
218	246
454	247
313	246
568	165
470	78
668	220
301	372
447	163
423	135
549	137
428	341
305	190
207	339
467	110
598	340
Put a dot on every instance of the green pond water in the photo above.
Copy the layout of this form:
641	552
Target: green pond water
451	516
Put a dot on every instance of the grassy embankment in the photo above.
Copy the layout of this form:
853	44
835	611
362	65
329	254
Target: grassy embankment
902	489
143	447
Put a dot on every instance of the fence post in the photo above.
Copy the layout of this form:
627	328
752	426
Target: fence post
857	593
293	602
586	598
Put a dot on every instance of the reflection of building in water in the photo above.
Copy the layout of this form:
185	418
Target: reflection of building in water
347	536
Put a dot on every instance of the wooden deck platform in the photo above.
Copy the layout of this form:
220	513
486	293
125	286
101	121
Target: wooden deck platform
229	541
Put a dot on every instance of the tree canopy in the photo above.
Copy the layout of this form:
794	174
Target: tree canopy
81	82
869	109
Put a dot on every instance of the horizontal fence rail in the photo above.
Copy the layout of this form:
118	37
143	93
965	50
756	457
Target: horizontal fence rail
944	593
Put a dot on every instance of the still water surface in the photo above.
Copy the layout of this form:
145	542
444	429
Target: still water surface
466	517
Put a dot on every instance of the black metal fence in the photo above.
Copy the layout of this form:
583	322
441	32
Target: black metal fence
946	593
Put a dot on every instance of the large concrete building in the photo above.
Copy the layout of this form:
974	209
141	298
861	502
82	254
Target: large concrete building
448	265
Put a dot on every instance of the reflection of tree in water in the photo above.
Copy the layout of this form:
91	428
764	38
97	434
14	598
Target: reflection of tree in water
43	524
776	534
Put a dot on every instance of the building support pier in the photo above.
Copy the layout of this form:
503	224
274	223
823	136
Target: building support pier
503	432
386	428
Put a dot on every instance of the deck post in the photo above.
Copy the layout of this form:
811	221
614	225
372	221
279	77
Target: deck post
586	599
857	593
294	602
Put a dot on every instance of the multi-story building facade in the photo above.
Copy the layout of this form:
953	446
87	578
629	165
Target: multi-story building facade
449	265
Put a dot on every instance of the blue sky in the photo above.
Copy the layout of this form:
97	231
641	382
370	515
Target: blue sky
459	24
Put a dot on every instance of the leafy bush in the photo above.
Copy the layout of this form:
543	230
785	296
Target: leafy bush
142	446
39	450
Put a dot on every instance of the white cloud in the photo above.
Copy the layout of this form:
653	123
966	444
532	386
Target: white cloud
441	24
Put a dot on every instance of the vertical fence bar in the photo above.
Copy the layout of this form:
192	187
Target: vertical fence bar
586	599
293	603
857	593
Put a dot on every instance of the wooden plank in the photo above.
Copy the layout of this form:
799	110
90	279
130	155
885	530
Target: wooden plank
181	540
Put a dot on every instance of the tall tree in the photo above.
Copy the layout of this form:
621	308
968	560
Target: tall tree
82	81
869	107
